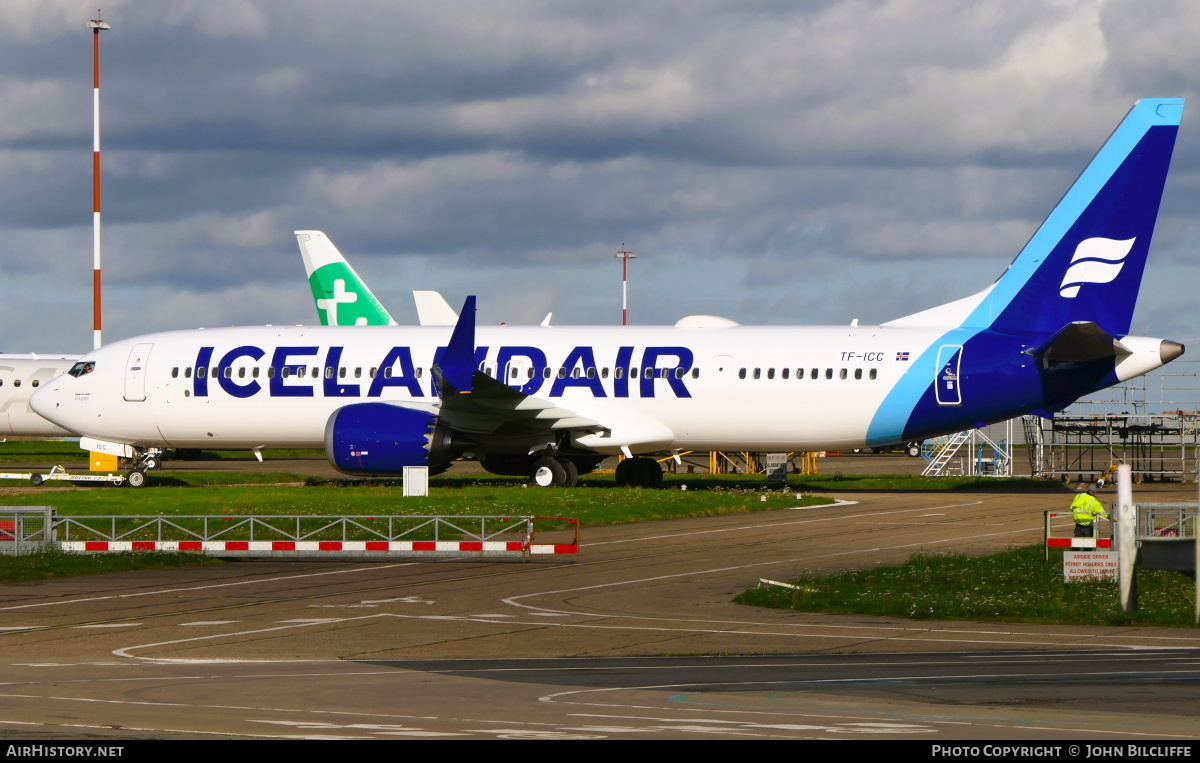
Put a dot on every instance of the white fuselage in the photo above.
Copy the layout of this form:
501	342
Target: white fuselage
20	377
745	388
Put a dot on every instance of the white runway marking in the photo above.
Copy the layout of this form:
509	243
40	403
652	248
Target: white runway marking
211	622
105	625
761	525
157	592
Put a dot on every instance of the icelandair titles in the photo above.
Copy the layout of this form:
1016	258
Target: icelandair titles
659	368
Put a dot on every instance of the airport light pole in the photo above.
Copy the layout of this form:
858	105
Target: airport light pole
97	26
625	256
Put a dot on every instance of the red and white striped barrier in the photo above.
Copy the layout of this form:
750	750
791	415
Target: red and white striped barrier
456	548
1079	542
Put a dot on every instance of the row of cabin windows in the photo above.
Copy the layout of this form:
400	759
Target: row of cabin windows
229	372
814	373
617	373
17	383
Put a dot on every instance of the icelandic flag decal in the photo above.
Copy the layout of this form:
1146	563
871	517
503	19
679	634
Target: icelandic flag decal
902	356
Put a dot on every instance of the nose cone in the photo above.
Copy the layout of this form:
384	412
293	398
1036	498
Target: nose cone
45	401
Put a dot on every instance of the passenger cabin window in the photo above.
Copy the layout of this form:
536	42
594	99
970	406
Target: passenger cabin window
858	373
873	373
828	373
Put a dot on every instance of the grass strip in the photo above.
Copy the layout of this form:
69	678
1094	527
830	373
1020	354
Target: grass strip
51	563
591	505
1013	586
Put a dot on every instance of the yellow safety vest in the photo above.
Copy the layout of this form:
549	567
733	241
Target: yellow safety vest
1085	508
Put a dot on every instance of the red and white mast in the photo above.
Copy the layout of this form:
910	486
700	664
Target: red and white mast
97	26
625	256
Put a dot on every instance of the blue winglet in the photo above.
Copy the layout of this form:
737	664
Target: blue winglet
457	364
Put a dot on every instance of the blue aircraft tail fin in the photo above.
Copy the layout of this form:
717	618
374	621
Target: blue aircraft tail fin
1085	262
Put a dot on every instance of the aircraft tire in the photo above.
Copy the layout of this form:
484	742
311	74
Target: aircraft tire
136	478
627	473
547	472
572	472
647	473
150	462
913	449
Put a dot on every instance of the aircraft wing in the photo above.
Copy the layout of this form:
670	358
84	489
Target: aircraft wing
474	402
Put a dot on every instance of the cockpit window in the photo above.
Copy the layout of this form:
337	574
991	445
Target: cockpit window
81	368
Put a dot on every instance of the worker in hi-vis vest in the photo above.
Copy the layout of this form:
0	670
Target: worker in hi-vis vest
1085	509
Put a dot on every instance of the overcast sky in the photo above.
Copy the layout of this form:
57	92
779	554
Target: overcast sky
772	162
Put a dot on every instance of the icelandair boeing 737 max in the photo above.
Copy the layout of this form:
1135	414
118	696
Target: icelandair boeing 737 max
552	401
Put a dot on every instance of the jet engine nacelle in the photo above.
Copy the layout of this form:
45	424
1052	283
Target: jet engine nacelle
381	438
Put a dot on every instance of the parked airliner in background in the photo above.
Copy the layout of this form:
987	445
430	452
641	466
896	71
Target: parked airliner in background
20	375
343	298
551	402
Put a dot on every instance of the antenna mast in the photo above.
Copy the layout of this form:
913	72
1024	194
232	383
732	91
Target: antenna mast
97	26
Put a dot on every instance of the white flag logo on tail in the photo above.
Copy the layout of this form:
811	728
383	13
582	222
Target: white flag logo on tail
1096	260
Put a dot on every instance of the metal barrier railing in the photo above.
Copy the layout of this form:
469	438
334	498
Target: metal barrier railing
293	528
24	528
1166	520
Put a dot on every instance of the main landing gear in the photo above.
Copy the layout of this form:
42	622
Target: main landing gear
639	472
553	472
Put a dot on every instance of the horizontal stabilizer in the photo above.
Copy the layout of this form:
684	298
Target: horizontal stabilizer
1078	342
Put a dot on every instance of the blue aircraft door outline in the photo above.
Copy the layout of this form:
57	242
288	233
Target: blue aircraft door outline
949	386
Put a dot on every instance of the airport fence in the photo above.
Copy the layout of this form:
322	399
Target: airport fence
293	536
